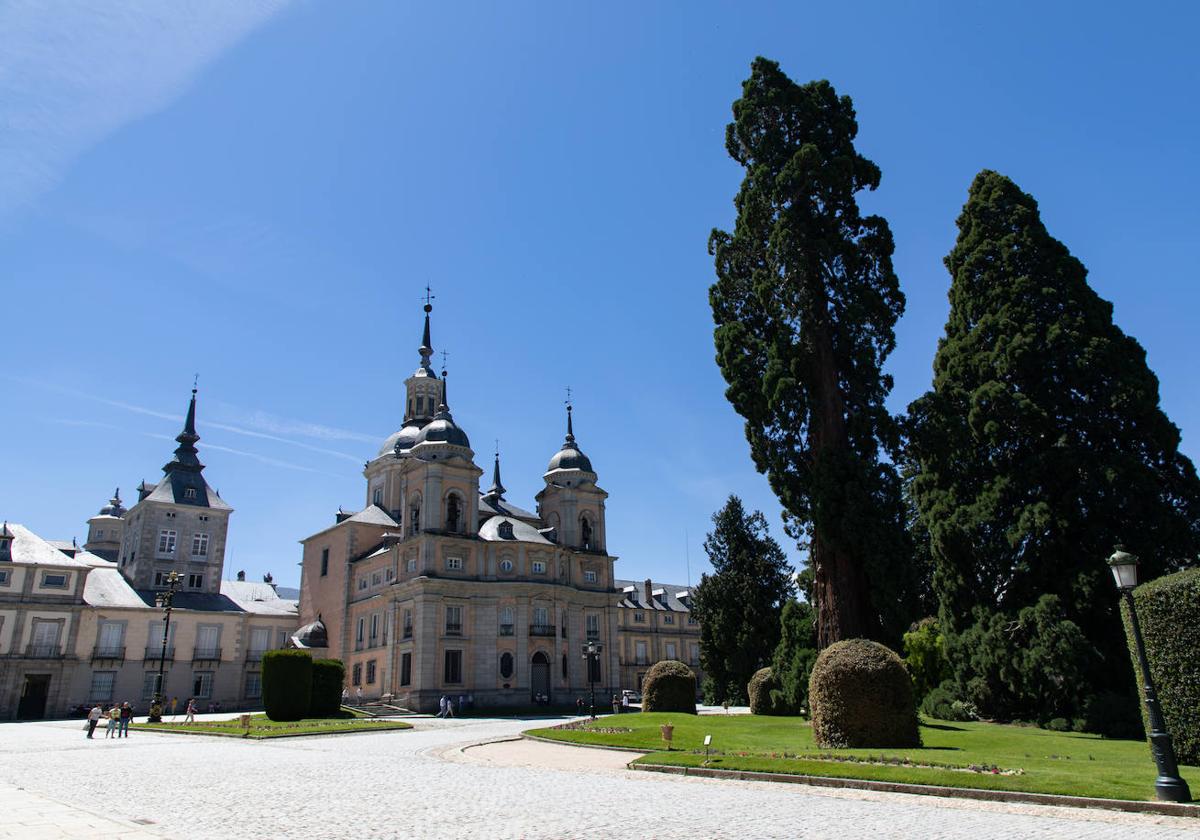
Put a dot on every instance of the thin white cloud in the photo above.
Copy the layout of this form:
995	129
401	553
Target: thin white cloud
274	462
273	424
72	73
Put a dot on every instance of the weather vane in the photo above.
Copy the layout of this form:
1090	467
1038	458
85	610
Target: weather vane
568	396
445	353
195	381
429	295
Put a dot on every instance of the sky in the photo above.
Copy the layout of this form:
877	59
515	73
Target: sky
258	192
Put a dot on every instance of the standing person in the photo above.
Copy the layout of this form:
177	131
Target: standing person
114	716
174	704
358	694
190	713
126	717
345	697
579	705
616	704
624	702
442	706
462	701
93	719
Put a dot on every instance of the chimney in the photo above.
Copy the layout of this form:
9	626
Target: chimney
341	516
649	589
268	578
242	577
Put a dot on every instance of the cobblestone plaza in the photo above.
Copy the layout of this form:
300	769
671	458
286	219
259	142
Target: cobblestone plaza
429	782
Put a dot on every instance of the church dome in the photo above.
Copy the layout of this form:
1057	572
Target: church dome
570	458
114	507
401	440
443	429
313	635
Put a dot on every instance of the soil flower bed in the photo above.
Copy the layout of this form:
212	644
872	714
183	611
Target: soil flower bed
261	727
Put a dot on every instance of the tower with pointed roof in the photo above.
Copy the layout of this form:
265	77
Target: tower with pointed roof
571	502
179	524
106	529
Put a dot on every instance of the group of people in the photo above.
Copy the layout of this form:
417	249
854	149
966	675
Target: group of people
118	718
446	705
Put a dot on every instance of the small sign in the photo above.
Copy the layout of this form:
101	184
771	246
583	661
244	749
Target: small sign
707	740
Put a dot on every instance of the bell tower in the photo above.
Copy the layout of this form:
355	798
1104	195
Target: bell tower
571	502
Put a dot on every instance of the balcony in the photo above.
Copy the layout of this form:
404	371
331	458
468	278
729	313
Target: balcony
206	654
254	655
593	635
44	652
541	629
108	652
454	629
507	630
408	632
155	653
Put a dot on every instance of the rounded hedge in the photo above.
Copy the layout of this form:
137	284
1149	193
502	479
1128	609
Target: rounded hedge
1168	610
766	694
862	696
670	686
328	678
287	684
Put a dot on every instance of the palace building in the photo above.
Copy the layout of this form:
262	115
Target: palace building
440	588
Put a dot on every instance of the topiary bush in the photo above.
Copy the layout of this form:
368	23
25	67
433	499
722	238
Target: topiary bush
861	696
670	686
287	684
1169	613
328	677
766	695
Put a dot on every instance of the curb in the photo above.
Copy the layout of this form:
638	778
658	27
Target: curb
546	740
1172	809
242	737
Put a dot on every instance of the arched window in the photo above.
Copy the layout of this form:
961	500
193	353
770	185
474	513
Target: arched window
453	513
378	499
585	533
506	665
414	515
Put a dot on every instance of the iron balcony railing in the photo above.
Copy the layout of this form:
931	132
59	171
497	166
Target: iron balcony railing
156	651
206	653
454	629
44	652
254	655
408	631
108	652
541	629
507	630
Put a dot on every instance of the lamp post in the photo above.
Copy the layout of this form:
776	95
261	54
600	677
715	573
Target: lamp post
1169	786
163	601
591	653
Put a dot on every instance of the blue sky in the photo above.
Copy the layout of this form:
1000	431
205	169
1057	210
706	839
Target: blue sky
258	191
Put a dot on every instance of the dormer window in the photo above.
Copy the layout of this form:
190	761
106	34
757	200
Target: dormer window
506	530
189	493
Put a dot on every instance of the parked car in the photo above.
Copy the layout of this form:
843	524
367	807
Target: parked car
634	696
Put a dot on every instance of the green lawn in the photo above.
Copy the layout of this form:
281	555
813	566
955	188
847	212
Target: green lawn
1049	762
262	727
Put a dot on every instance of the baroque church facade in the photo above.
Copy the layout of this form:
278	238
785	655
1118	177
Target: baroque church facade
438	587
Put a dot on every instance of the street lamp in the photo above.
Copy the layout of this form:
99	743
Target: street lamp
163	601
1169	786
591	653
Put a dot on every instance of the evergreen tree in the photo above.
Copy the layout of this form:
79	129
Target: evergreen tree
1042	443
795	654
805	304
739	604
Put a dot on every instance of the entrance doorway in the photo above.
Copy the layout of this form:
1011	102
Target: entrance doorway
540	676
33	697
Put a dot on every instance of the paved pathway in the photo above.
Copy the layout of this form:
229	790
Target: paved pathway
422	783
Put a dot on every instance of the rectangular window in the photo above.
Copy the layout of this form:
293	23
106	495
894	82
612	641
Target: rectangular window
356	674
412	564
408	624
388	574
195	581
694	654
376	578
539	567
253	686
371	672
202	684
149	682
454	621
362	583
668	618
260	641
541	616
454	564
4	577
109	644
324	562
639	617
358	635
166	542
506	621
593	626
374	627
50	580
200	545
670	650
453	667
640	653
45	638
102	685
692	619
589	576
406	669
208	642
99	533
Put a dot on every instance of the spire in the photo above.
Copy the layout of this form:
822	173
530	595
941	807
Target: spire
186	458
444	408
496	491
426	348
570	441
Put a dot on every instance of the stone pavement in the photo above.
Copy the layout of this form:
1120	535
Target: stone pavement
423	783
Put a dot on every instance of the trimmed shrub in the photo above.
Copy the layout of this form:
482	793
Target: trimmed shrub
328	677
1169	612
766	694
862	696
287	683
670	686
942	703
1058	725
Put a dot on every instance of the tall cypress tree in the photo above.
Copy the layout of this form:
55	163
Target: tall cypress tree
739	604
805	304
1042	442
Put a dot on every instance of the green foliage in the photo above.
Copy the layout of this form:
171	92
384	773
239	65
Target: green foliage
669	686
804	305
925	656
765	695
287	684
328	678
1028	667
1042	442
739	604
1112	714
794	656
862	697
1169	613
942	703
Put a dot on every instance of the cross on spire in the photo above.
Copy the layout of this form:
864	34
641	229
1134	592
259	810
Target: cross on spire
429	297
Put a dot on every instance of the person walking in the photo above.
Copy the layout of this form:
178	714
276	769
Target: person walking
190	714
358	694
442	706
345	697
114	716
126	717
93	719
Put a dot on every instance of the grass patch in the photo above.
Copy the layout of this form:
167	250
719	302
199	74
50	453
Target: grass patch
1017	758
262	727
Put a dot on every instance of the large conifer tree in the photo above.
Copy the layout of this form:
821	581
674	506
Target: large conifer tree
805	304
1042	443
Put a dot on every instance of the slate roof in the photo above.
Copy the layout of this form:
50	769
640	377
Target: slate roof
28	549
637	599
374	515
522	531
499	507
165	491
107	587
